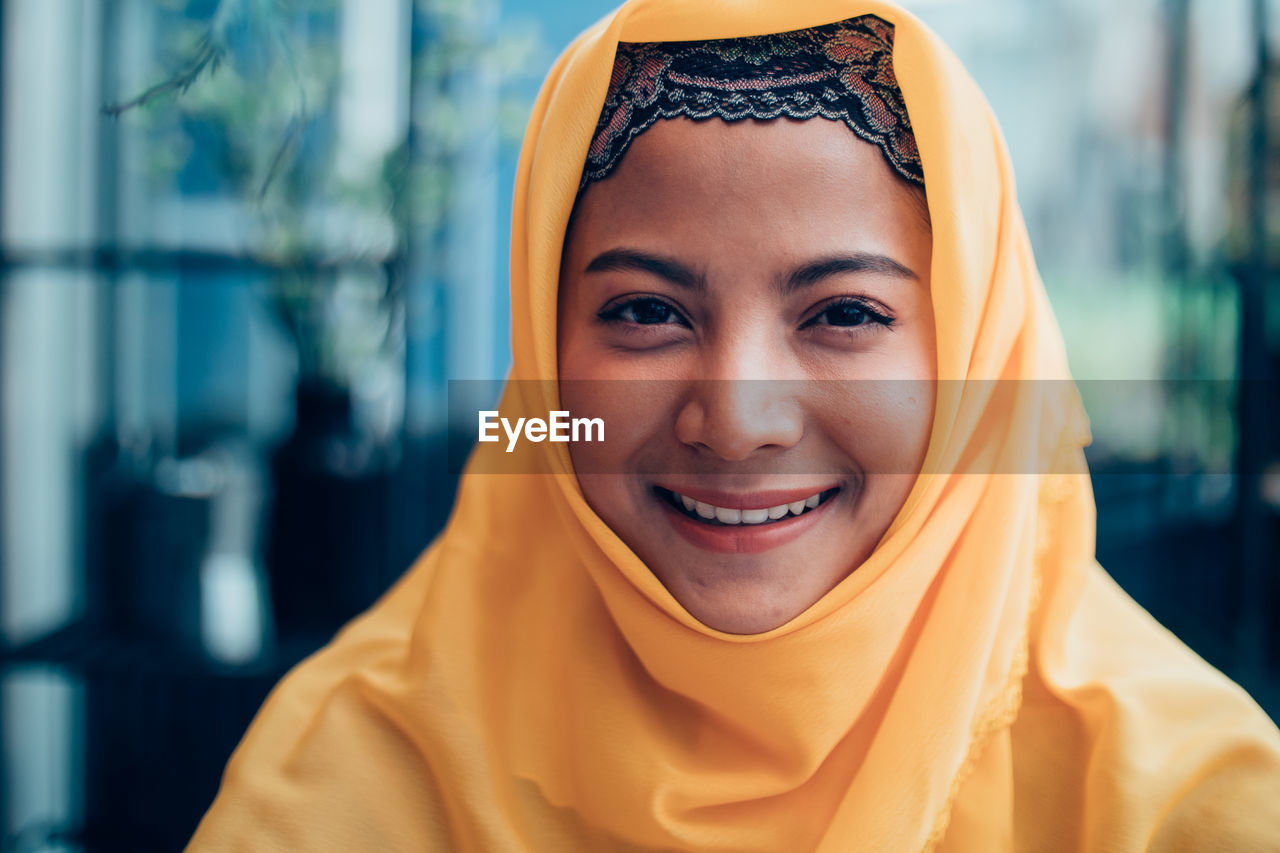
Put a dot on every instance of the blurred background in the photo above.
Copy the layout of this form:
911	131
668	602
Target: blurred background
245	244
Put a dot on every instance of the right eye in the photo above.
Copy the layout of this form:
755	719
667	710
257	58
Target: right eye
642	311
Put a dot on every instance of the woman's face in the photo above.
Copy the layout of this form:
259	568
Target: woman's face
760	280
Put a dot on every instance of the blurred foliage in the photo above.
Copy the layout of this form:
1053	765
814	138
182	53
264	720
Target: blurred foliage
249	101
1156	391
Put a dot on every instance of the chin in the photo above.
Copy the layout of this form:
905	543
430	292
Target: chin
743	578
741	603
730	620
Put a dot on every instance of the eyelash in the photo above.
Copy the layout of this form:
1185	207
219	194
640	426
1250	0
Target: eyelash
873	315
615	313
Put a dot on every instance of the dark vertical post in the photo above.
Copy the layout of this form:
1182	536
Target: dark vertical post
4	298
410	256
1255	583
409	479
1174	232
97	499
108	214
1178	356
5	829
408	253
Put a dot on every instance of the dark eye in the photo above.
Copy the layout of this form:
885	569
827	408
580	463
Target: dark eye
643	311
848	313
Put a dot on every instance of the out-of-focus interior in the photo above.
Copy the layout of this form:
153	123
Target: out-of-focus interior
245	245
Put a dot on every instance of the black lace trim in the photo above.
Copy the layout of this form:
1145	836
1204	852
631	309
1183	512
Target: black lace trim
841	71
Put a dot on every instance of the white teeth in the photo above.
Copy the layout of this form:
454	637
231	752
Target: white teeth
728	516
724	515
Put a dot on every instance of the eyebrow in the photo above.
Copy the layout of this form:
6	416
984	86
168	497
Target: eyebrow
798	279
667	268
857	262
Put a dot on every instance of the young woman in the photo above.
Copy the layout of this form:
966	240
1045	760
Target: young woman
829	582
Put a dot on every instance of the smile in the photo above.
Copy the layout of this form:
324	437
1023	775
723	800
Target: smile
750	523
711	514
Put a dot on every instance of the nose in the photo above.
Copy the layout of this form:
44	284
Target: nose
746	408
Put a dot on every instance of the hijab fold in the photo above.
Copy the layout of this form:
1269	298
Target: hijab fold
530	685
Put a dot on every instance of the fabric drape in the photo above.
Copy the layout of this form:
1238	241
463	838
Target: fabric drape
978	684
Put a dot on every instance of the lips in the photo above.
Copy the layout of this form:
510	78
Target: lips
729	523
760	508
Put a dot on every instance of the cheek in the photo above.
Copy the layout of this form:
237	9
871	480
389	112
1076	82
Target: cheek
595	398
882	425
637	442
600	466
639	418
572	358
609	497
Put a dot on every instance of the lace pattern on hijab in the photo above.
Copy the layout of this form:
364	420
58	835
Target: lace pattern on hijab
841	71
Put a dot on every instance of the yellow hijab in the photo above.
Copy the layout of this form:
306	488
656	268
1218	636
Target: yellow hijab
978	684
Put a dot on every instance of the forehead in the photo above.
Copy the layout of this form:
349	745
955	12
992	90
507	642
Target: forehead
796	179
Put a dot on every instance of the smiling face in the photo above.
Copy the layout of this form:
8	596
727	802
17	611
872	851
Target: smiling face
770	258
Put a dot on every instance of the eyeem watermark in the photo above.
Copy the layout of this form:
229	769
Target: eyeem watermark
559	426
1179	428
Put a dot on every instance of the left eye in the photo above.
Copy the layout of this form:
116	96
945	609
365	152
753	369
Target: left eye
845	315
848	313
